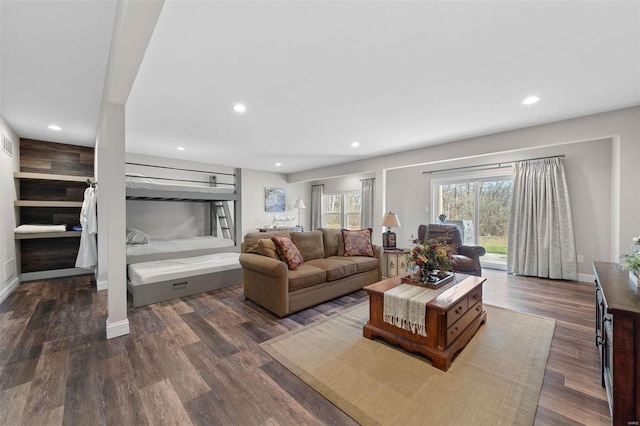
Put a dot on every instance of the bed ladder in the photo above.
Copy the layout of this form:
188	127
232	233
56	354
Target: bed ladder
224	217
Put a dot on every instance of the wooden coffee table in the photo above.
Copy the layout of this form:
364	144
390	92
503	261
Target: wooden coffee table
453	317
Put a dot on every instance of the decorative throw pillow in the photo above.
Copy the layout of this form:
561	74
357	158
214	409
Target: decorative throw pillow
357	243
288	252
268	248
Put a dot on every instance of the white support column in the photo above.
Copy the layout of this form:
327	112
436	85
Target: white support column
102	278
113	185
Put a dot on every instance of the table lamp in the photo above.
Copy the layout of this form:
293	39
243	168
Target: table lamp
299	205
389	238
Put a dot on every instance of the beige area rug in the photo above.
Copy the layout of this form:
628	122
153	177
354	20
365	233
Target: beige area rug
495	380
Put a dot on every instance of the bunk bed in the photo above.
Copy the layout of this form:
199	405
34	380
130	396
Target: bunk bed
160	270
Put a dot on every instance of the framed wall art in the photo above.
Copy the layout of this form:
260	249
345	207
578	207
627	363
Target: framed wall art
274	200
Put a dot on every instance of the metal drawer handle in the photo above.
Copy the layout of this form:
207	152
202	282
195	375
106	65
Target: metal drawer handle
178	286
458	310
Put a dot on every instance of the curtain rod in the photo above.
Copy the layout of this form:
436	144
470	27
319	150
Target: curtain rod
500	164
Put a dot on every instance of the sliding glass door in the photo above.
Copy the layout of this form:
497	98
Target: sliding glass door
478	203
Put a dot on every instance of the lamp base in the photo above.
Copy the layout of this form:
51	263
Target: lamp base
389	240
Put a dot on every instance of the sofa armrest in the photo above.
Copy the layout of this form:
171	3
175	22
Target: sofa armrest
474	252
264	265
378	252
266	282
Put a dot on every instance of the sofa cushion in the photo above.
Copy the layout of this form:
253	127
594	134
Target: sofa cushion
357	243
309	243
335	268
333	244
268	248
250	242
363	263
306	276
288	252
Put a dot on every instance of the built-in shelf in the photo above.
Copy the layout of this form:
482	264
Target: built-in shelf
37	203
47	176
31	236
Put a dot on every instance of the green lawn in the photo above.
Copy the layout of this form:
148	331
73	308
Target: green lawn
494	243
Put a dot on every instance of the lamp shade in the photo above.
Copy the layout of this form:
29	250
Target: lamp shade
390	219
299	204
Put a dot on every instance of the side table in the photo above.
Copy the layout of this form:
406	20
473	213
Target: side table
395	262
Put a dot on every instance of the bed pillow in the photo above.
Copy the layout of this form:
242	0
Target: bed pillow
266	247
135	236
288	252
357	243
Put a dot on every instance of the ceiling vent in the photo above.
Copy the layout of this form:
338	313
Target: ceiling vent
7	145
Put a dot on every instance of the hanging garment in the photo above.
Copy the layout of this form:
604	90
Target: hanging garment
87	254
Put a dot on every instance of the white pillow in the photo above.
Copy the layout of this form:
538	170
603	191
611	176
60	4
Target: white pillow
135	236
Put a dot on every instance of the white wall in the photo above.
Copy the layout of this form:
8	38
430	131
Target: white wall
615	206
8	247
254	216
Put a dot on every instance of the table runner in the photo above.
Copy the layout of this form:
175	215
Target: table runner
405	306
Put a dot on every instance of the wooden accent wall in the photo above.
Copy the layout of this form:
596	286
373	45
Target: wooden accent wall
52	158
56	158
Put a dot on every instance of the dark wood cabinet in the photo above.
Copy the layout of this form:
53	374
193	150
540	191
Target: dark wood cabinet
618	340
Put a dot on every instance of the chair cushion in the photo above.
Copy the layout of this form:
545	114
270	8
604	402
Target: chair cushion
288	252
309	243
363	263
357	243
306	276
333	244
335	268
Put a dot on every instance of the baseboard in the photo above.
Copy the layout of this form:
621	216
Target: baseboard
102	285
5	292
117	329
53	273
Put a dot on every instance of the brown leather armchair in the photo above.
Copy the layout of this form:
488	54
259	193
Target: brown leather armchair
467	258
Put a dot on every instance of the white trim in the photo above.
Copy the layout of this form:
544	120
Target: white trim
117	329
102	284
54	273
5	292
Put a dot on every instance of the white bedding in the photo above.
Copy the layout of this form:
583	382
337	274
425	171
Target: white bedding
139	182
165	270
179	245
32	229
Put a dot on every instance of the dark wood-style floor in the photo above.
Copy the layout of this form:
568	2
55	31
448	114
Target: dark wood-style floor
196	360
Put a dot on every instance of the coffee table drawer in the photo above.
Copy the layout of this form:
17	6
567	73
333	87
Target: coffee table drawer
454	331
455	312
474	296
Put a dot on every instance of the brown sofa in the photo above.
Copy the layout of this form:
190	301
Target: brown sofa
467	258
324	275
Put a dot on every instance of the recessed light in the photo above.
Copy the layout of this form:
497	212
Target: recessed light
355	144
240	108
278	164
531	100
55	127
181	148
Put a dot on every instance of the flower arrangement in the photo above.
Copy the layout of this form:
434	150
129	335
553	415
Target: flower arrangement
631	262
433	255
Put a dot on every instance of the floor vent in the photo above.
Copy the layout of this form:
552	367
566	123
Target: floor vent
7	145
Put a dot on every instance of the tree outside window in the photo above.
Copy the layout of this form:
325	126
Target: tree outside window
342	210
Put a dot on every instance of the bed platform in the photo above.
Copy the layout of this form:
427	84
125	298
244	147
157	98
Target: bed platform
158	281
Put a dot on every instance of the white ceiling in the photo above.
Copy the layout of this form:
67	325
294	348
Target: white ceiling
316	76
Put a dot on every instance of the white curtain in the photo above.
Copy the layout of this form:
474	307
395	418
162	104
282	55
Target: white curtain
541	236
316	206
368	189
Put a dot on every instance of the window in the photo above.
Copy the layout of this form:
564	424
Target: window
342	210
478	203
